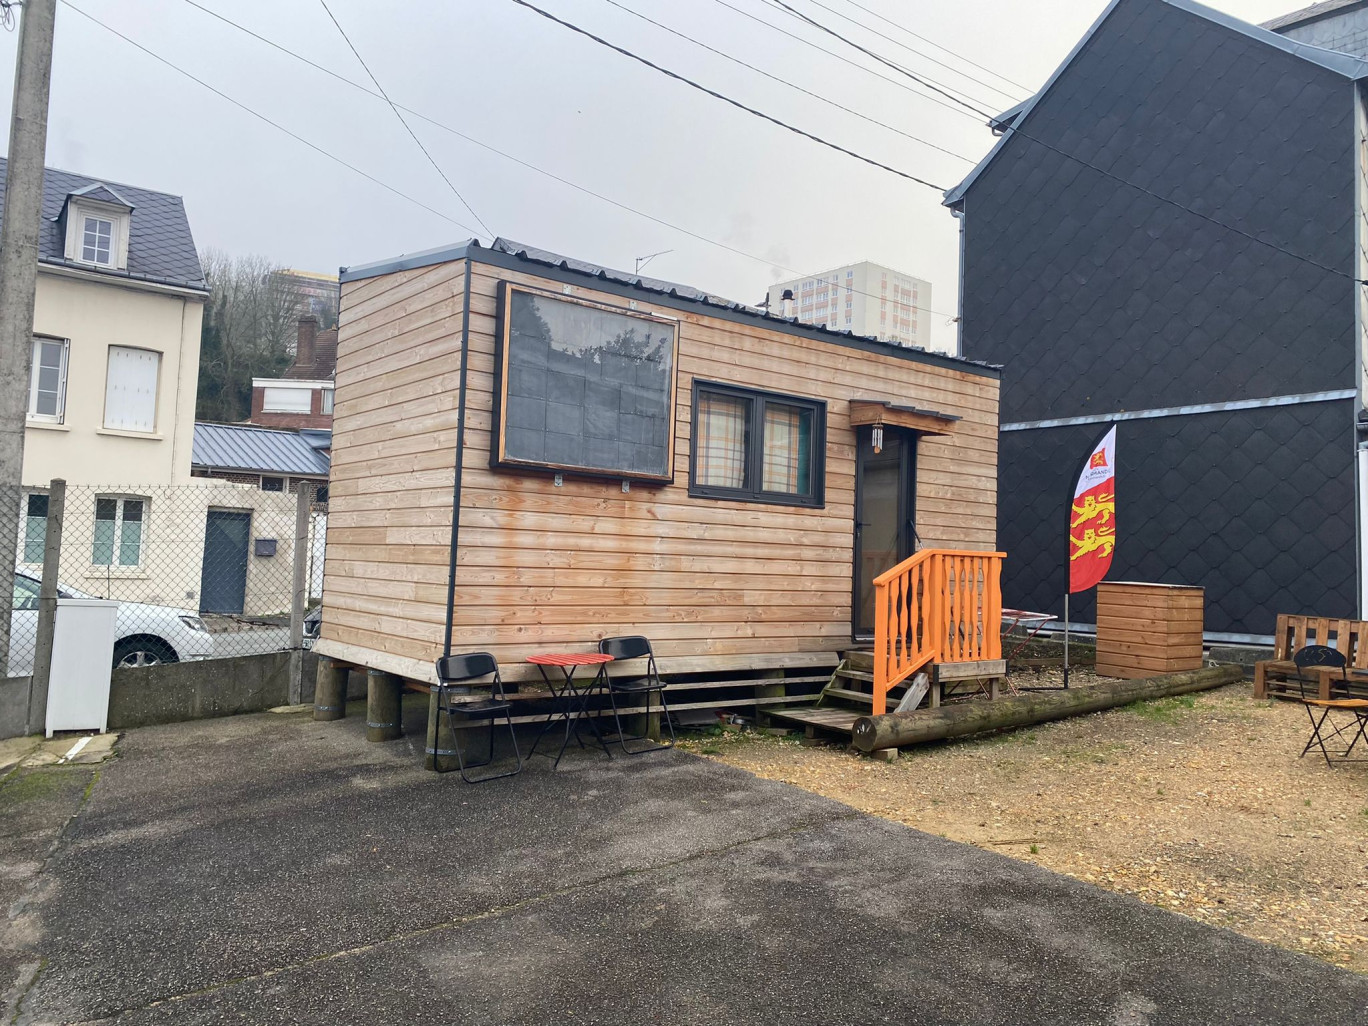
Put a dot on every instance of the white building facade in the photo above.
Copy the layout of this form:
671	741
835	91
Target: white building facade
865	299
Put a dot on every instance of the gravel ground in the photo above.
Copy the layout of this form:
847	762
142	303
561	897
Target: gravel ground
1197	804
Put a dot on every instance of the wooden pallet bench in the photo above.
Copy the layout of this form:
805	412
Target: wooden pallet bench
1277	677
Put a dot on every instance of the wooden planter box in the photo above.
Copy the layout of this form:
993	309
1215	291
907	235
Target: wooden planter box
1147	629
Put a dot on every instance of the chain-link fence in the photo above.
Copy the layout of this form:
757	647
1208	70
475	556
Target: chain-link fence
201	570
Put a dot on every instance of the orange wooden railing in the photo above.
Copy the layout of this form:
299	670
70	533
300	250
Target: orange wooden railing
937	606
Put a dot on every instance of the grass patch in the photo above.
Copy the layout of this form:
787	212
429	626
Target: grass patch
1164	710
33	785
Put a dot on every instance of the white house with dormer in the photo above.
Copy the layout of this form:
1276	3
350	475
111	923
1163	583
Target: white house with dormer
112	384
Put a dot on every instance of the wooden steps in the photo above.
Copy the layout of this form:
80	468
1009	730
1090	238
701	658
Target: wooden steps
848	694
838	721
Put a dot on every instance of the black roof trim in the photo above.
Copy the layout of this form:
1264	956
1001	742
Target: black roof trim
513	257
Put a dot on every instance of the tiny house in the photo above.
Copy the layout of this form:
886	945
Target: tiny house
531	453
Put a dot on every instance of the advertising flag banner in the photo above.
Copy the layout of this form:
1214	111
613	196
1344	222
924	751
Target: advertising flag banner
1092	517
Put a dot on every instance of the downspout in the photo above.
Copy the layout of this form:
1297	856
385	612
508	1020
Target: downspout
460	461
958	214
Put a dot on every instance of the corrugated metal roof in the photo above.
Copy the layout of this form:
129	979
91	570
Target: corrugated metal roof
160	246
248	448
503	250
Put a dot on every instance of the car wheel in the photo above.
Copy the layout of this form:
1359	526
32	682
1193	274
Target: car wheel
142	651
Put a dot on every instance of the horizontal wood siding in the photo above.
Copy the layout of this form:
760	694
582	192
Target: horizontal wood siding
1146	629
719	583
393	463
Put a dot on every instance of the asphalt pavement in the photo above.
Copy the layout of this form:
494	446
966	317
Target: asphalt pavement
269	869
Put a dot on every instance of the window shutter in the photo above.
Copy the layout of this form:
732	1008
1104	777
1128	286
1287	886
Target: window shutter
286	400
131	389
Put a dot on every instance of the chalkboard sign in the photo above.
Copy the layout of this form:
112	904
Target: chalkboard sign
584	386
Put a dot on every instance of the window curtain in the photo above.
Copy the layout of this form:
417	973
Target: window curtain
788	450
720	448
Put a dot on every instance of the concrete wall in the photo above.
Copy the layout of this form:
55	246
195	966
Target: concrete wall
14	693
176	692
1345	31
94	316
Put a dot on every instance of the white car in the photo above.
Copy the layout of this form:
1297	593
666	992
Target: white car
144	635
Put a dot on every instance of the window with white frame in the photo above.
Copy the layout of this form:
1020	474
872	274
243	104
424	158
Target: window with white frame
97	240
34	536
119	531
327	406
276	399
47	379
272	484
131	389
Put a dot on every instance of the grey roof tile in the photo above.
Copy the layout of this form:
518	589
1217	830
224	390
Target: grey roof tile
246	447
160	246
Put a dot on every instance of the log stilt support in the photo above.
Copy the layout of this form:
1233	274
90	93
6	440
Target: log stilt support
384	714
330	689
439	741
871	733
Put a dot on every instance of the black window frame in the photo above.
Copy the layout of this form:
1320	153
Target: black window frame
755	447
498	457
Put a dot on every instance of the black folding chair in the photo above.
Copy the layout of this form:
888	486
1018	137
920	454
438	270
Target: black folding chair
454	670
1323	655
636	647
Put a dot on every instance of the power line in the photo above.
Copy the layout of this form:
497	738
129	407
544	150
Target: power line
724	98
880	58
840	57
766	261
940	46
1015	130
413	135
782	81
262	117
912	49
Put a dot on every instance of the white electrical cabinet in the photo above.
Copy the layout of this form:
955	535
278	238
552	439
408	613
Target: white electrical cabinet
82	657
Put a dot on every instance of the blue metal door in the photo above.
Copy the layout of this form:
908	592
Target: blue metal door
223	578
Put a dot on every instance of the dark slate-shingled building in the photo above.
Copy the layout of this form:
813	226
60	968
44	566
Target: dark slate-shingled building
1169	234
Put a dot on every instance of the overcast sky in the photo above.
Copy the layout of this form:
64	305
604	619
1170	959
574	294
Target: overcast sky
516	83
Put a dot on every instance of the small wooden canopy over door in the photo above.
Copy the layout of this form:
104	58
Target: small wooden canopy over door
873	412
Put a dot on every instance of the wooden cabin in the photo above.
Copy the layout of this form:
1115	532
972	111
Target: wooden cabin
532	453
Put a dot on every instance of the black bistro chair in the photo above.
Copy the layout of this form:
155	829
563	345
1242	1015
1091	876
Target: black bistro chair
649	683
1323	655
455	670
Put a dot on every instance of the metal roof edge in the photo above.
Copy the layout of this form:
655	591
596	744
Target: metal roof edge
1352	68
1308	15
737	313
1345	64
953	196
408	261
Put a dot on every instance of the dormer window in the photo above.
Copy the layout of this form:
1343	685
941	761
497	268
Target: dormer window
96	221
97	245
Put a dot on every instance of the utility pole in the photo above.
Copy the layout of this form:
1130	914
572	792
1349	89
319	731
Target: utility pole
19	274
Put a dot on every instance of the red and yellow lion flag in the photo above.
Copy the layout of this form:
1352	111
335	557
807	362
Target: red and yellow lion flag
1092	517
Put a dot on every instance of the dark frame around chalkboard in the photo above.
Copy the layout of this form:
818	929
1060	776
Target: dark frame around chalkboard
499	455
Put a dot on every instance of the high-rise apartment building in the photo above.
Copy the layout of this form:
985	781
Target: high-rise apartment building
865	298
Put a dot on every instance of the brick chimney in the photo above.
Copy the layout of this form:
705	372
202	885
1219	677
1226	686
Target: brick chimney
304	347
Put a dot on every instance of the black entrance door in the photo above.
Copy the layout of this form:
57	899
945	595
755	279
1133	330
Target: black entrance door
223	578
884	535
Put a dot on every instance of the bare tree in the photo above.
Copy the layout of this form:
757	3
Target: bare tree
249	331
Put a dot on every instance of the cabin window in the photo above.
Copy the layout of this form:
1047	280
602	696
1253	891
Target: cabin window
584	387
757	446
